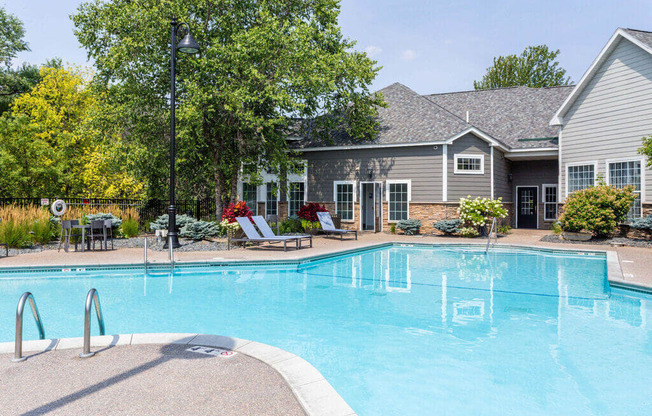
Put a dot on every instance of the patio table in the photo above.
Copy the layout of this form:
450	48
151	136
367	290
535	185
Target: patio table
83	228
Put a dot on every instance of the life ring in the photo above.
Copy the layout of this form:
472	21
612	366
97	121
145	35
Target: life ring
59	207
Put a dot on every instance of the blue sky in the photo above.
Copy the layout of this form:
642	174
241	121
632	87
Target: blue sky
430	46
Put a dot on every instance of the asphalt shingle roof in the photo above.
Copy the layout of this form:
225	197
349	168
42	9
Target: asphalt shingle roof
515	115
641	35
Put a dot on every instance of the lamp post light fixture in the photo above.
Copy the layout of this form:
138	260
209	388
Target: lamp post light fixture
187	45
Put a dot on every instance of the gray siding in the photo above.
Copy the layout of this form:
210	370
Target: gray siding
534	173
421	164
502	169
612	114
463	185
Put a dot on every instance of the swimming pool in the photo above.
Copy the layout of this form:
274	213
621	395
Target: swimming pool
397	330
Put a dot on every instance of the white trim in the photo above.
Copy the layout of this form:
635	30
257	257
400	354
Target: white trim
444	173
558	118
640	159
398	181
533	154
491	170
335	183
457	156
536	202
560	171
481	135
278	196
543	200
595	172
305	192
375	199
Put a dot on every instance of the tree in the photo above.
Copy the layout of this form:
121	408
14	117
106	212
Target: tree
262	65
11	37
646	149
536	67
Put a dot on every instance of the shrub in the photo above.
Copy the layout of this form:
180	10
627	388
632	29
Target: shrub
448	227
200	230
115	221
409	227
309	211
504	229
290	225
15	234
476	212
392	228
42	231
469	232
225	226
239	209
23	224
161	223
598	209
310	225
556	227
129	228
644	223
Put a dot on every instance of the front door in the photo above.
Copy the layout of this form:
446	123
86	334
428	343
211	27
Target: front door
367	202
526	207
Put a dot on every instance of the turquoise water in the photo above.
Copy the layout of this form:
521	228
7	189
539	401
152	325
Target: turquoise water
401	330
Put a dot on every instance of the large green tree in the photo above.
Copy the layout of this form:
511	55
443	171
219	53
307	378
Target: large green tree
262	64
536	67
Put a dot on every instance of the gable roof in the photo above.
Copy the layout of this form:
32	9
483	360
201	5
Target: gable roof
409	118
640	38
517	116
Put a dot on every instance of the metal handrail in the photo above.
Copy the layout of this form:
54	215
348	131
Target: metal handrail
494	229
92	295
18	345
145	254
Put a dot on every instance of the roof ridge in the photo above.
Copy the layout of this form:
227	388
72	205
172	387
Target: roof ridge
636	30
499	88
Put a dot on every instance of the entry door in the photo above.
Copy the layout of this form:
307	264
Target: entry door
367	200
378	212
526	207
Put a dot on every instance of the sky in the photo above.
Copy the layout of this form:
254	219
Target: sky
430	46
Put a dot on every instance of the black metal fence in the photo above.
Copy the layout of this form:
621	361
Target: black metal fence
201	209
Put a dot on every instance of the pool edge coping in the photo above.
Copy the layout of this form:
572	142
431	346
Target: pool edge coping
314	393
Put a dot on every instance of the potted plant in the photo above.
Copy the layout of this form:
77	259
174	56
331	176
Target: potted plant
233	211
308	216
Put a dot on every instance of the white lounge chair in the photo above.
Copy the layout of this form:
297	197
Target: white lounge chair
268	233
328	227
254	237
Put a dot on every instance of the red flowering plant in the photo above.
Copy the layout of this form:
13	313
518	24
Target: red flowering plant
239	209
308	215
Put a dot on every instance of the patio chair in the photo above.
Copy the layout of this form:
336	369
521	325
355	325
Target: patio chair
108	226
66	233
97	232
254	237
327	226
268	233
6	245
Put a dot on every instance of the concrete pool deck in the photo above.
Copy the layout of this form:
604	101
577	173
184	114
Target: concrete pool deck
635	262
143	374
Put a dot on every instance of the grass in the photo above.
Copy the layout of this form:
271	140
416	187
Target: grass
23	225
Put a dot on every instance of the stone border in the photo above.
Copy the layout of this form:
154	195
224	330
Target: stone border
312	390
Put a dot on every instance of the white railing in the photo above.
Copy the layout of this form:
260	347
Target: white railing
494	229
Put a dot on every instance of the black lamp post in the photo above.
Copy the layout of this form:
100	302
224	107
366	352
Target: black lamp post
187	45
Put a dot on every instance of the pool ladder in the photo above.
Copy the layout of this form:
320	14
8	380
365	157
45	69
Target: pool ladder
91	298
494	229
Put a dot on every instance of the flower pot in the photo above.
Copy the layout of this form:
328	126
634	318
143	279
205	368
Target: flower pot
235	233
567	235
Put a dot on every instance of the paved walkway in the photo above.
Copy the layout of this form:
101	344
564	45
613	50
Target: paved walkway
143	380
636	262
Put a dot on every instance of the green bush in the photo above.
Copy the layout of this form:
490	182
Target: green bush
469	232
129	228
392	228
556	227
644	223
200	230
409	227
448	227
42	232
15	234
504	229
598	209
290	225
310	225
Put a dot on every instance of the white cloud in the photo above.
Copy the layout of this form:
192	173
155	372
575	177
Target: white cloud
372	50
408	55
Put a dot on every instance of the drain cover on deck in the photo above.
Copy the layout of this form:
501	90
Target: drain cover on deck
218	352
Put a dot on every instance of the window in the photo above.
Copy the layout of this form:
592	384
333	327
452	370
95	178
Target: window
250	195
344	198
469	164
580	177
398	197
296	196
549	202
271	203
626	173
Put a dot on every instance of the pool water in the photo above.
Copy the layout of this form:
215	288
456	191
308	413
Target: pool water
398	330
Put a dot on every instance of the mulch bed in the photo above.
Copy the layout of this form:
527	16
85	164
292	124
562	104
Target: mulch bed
611	241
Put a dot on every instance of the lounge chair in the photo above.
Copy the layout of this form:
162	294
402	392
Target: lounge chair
268	233
254	237
328	227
